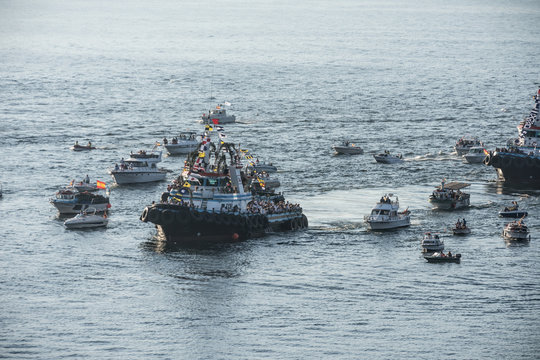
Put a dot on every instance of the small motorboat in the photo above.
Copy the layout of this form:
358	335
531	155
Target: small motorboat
476	155
133	171
84	220
184	143
461	228
432	243
347	148
387	158
386	215
262	167
516	230
464	145
70	201
513	211
440	257
151	156
449	196
78	147
218	116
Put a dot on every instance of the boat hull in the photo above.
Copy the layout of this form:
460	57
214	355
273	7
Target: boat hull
75	208
388	225
513	214
447	259
177	149
122	178
71	224
516	235
515	168
449	204
474	159
348	150
461	232
387	160
181	224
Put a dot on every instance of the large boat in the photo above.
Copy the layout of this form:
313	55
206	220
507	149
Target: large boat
464	145
69	201
449	196
184	143
516	230
132	171
218	116
431	243
211	202
476	155
519	162
348	148
387	158
386	215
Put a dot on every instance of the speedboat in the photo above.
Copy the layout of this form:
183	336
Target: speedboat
464	145
385	215
476	155
440	257
516	230
218	116
70	201
347	148
461	228
133	171
513	211
184	143
78	147
84	220
387	158
431	243
449	196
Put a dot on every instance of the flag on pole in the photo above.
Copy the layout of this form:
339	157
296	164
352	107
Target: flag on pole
215	121
486	152
100	185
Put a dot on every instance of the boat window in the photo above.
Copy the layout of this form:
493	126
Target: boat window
384	212
374	212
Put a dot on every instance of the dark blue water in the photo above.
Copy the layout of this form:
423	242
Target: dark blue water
409	77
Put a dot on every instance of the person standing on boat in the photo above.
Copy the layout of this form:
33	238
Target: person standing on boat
87	179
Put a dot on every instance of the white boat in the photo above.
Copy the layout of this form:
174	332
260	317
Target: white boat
151	156
476	155
449	196
136	171
78	147
218	116
83	220
432	243
387	158
347	148
70	201
385	215
184	143
464	145
261	167
516	230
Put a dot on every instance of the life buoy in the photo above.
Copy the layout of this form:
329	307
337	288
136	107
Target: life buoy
487	160
154	215
167	217
144	215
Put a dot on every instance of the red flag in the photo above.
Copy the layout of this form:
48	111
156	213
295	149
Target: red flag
215	121
100	185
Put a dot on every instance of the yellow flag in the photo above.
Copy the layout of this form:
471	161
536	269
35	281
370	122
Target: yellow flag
201	154
186	184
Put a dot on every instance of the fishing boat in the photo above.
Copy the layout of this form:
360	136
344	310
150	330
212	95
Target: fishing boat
211	202
218	116
513	211
386	215
133	171
448	196
78	147
519	161
431	242
184	143
86	220
387	158
516	231
440	257
69	201
348	148
465	144
476	155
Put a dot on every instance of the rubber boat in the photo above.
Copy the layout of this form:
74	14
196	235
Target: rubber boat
85	220
513	211
386	215
387	158
448	196
516	230
440	257
431	243
347	148
78	147
476	155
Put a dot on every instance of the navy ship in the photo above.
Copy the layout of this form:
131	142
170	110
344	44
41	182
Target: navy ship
213	200
519	162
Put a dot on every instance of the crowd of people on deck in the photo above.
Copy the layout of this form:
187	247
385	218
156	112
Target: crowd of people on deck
270	207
